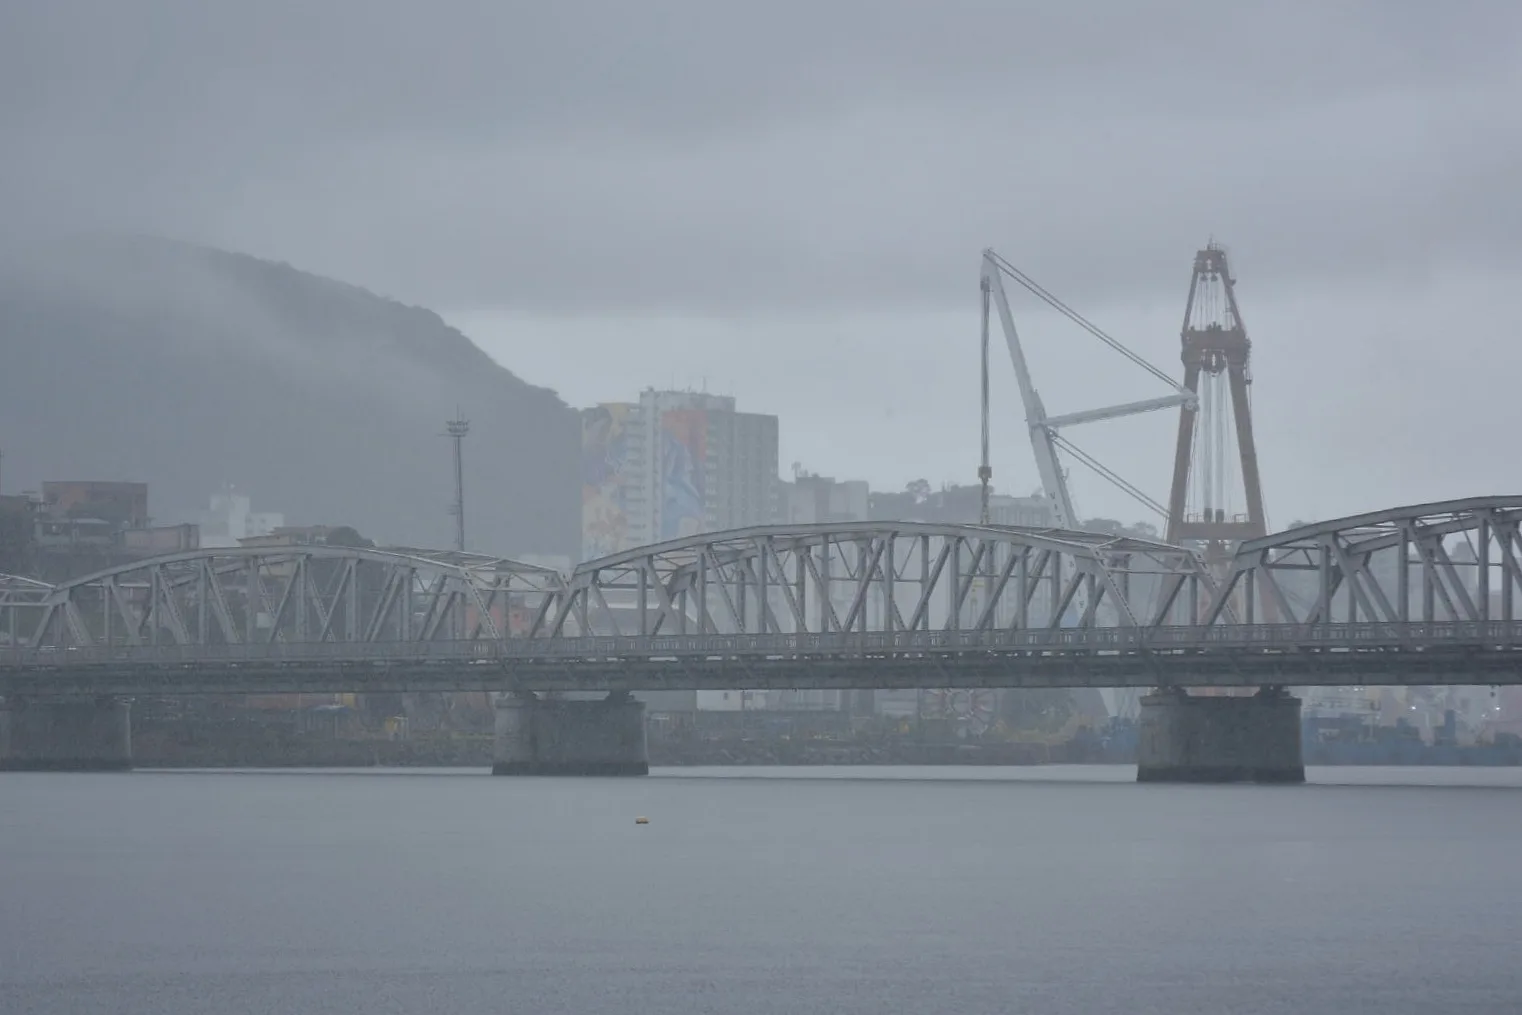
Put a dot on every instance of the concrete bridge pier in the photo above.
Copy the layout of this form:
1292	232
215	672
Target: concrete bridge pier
65	735
1193	738
537	736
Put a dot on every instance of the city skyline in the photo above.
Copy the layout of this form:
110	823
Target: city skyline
808	238
921	407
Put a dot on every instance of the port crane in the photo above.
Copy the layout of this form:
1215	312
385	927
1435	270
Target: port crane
1044	430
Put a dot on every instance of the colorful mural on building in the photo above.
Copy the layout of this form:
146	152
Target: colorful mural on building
684	455
604	474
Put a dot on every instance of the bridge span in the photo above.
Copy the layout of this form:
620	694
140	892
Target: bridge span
1426	594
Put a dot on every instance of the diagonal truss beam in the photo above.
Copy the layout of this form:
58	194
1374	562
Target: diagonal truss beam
1450	561
878	577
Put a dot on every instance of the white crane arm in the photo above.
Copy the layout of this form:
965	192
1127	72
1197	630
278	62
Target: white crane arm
1047	465
1184	397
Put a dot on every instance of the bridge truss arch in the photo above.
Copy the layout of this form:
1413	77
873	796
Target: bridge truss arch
16	590
20	600
880	577
292	594
1448	561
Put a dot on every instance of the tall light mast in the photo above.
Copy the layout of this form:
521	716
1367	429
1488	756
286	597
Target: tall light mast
457	429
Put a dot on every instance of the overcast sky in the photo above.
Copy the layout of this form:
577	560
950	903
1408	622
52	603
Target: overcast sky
786	200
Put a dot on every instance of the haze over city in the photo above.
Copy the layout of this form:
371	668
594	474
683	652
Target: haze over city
638	199
502	507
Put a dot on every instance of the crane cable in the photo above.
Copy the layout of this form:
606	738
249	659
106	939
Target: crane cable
1125	485
1083	457
1040	291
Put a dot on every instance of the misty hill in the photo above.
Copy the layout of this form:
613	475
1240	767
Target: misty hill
190	369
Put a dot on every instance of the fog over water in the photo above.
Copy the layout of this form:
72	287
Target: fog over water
869	890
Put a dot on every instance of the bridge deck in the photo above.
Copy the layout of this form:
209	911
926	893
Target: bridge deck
1241	655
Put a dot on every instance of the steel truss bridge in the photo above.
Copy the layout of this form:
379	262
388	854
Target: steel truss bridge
1417	595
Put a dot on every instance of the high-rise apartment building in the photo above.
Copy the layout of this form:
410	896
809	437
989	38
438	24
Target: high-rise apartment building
673	464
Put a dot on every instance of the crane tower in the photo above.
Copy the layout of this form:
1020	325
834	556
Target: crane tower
1217	496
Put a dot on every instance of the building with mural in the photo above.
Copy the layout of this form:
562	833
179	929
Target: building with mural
608	473
673	464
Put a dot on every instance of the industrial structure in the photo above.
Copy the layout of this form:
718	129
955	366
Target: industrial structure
1216	459
1216	498
1215	468
1043	429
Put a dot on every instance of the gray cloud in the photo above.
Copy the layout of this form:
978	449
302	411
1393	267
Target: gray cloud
575	158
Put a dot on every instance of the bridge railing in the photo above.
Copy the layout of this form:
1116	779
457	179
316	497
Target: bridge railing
528	651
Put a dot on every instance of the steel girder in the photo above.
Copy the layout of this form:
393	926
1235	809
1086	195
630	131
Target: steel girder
1458	560
20	602
18	591
862	577
298	594
1330	654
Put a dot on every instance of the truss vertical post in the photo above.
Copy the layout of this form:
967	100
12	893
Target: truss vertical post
1482	567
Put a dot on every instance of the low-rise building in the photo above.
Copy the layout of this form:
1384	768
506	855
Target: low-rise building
161	539
957	504
121	505
230	518
812	499
81	526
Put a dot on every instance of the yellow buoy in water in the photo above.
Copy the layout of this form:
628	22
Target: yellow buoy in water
642	821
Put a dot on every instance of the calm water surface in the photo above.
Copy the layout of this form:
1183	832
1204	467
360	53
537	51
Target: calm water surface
769	891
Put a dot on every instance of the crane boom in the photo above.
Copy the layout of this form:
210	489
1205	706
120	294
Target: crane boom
1042	429
1050	470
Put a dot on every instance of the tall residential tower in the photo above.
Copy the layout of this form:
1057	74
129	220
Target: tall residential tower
674	464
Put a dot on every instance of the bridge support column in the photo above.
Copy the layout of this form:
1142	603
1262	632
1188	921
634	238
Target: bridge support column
547	737
1189	738
65	735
